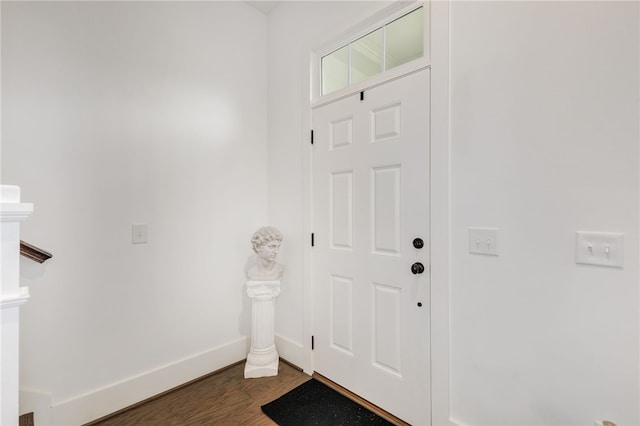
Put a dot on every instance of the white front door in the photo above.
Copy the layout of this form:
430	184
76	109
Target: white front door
371	201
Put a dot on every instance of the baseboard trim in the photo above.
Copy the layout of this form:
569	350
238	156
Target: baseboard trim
161	394
129	393
456	422
189	383
292	351
97	404
38	403
371	407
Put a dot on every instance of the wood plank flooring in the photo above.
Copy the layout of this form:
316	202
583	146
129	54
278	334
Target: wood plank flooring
26	420
222	398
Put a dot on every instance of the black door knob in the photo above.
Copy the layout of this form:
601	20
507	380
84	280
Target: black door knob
417	268
418	243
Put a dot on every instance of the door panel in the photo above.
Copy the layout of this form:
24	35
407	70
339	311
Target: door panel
371	199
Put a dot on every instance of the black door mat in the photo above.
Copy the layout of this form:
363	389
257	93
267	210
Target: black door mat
314	403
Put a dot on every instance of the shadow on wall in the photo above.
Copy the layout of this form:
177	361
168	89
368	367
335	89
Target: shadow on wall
32	270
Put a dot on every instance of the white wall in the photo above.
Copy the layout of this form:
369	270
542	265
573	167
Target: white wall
126	115
544	137
133	112
543	142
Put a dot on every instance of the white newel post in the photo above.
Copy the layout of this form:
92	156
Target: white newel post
262	360
12	212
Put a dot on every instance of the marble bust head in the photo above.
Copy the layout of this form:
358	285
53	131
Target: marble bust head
262	265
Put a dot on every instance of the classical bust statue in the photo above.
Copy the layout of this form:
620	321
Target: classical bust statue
262	265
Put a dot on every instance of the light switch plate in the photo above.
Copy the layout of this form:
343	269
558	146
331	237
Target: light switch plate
600	248
484	241
139	233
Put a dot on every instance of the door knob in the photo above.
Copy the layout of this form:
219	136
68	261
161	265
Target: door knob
418	243
417	268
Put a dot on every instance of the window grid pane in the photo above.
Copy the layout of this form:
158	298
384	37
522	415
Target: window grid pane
404	39
366	56
335	70
393	44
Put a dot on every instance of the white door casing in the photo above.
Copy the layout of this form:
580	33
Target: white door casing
371	200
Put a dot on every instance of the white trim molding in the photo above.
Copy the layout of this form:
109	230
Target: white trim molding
12	212
15	212
100	402
13	301
456	422
290	351
441	233
11	209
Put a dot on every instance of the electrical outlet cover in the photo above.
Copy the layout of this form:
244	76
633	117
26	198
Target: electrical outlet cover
139	233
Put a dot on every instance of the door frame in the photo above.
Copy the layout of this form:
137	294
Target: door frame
440	189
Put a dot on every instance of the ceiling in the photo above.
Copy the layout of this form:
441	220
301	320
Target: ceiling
264	6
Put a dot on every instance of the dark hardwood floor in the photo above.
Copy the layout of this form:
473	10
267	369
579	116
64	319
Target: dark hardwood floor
222	398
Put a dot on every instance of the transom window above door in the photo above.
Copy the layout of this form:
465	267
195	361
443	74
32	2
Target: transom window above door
395	43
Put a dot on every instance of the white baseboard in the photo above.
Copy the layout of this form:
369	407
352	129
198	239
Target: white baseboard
38	403
290	351
456	422
100	402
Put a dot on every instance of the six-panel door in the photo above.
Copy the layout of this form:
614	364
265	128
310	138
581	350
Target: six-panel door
371	200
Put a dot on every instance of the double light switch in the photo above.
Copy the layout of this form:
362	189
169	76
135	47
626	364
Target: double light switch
483	241
600	248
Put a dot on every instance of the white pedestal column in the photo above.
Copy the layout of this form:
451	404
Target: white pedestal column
12	212
262	360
